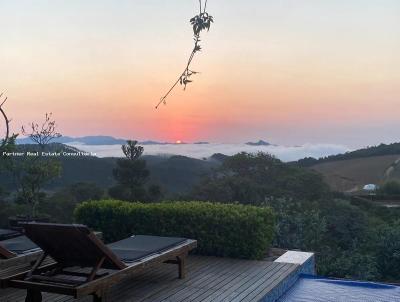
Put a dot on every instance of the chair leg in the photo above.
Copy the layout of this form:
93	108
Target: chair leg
33	296
97	298
181	266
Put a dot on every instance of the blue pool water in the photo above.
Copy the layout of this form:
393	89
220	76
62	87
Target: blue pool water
317	289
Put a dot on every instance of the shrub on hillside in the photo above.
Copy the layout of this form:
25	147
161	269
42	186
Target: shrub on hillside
390	188
221	229
253	178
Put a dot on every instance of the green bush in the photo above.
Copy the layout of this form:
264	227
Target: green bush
226	230
391	187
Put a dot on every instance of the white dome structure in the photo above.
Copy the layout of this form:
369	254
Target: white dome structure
370	187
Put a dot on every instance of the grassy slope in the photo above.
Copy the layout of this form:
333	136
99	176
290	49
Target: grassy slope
352	174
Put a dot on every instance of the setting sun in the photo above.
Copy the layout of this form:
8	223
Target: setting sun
178	142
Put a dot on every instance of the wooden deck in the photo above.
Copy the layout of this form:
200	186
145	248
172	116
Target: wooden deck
208	279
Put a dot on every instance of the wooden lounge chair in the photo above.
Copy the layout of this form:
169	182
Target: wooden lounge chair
75	246
7	234
18	250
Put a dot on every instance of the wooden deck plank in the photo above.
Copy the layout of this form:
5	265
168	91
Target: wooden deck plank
196	279
226	288
232	289
245	279
165	281
265	281
255	282
218	288
289	272
209	279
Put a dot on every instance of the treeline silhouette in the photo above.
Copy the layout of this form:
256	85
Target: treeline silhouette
382	149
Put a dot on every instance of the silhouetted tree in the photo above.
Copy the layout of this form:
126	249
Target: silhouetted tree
131	175
44	133
32	173
7	143
132	151
8	139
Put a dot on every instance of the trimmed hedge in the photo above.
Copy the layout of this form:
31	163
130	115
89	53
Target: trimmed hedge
227	230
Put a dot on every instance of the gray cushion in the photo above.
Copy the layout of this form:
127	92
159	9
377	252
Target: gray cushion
6	234
139	246
19	245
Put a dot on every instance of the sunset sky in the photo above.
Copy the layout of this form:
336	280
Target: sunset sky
290	72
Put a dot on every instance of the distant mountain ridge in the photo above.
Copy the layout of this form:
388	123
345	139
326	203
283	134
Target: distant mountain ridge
259	143
88	140
91	140
110	140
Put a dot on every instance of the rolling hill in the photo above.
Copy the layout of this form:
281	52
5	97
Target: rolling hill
352	174
175	174
349	172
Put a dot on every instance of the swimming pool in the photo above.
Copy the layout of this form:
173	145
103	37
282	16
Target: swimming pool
317	289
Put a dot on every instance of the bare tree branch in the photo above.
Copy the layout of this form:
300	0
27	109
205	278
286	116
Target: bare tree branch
44	133
199	22
5	140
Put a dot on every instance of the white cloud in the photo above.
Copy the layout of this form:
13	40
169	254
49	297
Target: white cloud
284	153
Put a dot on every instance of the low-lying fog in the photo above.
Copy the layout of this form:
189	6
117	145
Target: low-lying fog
285	153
